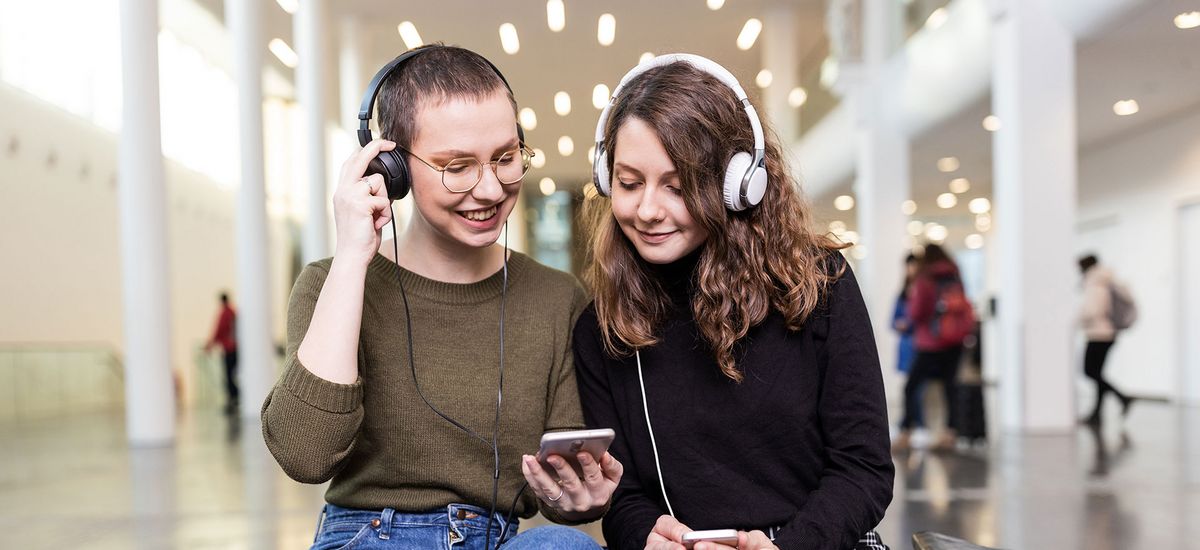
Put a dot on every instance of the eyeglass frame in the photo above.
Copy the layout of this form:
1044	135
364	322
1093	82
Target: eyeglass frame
442	171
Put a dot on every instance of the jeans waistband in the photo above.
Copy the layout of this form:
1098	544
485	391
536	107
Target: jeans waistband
453	515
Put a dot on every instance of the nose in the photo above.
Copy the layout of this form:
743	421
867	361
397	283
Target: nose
489	189
650	209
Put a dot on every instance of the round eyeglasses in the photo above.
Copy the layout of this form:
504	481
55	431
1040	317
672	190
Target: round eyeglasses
461	175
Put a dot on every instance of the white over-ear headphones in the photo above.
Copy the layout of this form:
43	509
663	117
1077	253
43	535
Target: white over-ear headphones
745	175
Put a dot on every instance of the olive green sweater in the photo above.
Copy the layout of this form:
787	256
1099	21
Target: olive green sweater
378	441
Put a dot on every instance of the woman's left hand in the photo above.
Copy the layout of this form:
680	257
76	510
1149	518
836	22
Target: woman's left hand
755	540
571	494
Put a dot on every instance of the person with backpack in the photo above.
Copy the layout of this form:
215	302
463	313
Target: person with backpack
1107	309
942	317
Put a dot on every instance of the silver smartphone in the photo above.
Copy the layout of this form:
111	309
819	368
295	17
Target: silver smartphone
568	444
727	537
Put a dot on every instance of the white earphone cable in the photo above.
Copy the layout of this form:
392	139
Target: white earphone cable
653	445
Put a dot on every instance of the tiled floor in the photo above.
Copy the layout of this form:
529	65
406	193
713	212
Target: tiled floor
73	483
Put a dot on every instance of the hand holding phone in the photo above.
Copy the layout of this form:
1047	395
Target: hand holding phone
570	443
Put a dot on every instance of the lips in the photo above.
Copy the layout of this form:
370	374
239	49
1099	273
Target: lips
656	237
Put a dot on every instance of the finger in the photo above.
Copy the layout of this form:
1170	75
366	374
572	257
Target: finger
538	479
374	184
593	476
566	474
613	469
670	528
708	545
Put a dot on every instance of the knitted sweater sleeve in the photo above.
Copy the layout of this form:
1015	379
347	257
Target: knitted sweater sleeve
309	423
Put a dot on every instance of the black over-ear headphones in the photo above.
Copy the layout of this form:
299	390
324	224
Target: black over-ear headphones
391	164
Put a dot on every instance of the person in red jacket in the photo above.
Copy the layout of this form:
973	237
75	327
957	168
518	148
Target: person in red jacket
942	318
225	336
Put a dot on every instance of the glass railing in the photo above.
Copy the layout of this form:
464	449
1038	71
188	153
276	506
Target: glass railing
42	380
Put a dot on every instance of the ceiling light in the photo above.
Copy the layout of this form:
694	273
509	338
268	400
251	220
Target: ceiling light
528	119
960	185
991	123
830	70
600	96
837	227
937	18
606	29
591	154
936	233
715	4
1188	20
908	207
797	97
508	39
915	228
859	252
764	78
983	222
1125	107
284	52
290	6
849	237
947	164
974	241
566	146
562	103
980	205
539	158
749	34
843	202
947	200
408	33
547	186
647	56
556	17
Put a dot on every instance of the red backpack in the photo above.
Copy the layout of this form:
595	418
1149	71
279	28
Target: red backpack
953	316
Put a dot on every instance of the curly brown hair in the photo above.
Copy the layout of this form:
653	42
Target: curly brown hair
767	257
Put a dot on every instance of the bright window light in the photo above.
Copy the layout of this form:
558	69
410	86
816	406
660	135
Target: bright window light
566	146
749	34
562	103
508	39
284	52
528	119
410	36
606	29
556	16
600	96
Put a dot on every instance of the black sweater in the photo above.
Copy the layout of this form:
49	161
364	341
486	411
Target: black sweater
801	443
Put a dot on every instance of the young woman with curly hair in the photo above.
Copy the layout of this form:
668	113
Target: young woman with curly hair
728	343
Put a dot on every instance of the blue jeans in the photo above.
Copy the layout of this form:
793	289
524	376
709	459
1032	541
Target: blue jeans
458	527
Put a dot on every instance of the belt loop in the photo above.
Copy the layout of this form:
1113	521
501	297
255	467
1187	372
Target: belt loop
385	525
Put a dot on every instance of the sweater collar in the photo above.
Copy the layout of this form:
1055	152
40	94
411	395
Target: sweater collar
383	271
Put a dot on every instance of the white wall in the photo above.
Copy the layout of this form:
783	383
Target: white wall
1130	193
59	237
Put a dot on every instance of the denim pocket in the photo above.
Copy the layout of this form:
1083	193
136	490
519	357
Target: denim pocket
342	535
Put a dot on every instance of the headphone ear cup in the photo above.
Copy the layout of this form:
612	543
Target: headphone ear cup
732	188
392	166
600	174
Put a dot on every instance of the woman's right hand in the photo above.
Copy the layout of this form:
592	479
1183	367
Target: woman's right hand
667	534
360	205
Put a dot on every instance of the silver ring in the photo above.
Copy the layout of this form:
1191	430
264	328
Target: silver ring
560	494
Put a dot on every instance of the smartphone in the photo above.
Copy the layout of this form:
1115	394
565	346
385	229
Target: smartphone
568	444
727	537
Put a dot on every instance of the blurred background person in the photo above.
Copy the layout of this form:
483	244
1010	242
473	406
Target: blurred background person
1106	308
225	337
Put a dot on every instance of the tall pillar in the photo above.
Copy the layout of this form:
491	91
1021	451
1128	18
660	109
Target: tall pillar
142	200
780	55
311	34
881	185
352	81
1034	152
256	361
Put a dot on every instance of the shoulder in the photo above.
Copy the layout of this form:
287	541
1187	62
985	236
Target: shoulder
314	273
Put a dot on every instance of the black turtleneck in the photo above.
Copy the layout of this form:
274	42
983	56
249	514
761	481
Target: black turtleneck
801	442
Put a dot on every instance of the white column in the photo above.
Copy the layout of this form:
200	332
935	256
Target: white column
256	361
881	185
1034	152
352	80
311	34
149	391
780	56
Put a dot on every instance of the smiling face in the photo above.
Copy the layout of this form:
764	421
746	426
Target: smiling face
647	197
456	128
